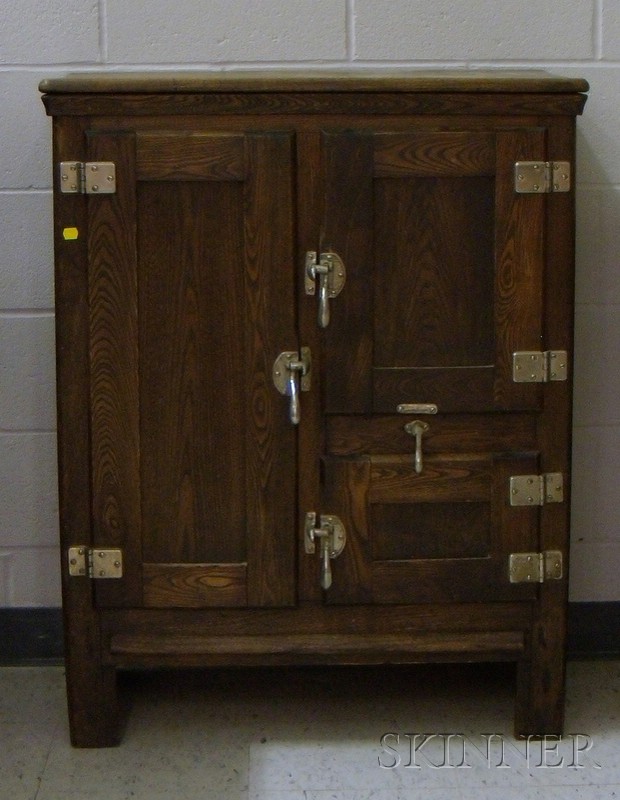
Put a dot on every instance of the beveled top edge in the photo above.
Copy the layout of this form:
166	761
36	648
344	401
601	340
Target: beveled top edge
317	80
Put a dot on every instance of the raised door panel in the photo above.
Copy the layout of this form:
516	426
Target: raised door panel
443	535
444	268
193	456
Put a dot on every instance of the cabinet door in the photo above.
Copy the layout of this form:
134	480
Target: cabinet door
444	535
191	299
444	264
444	273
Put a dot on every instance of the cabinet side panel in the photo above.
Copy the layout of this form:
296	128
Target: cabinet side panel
91	687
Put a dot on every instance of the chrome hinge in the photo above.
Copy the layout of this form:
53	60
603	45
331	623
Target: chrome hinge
536	490
95	562
540	177
332	537
90	177
536	567
539	367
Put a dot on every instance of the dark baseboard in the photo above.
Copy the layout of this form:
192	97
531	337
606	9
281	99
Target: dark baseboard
31	636
593	630
35	636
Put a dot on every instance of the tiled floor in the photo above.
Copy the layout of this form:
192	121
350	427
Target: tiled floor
320	734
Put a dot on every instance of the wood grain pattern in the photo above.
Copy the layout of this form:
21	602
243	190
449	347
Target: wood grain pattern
361	483
325	645
540	682
270	328
362	619
452	389
446	104
423	155
464	433
194	585
114	388
410	179
95	717
192	371
393	479
190	156
347	230
405	531
345	491
433	277
294	80
519	269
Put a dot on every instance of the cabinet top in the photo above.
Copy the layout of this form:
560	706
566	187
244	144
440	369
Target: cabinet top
387	80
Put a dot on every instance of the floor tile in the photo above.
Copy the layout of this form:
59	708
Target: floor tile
314	734
31	712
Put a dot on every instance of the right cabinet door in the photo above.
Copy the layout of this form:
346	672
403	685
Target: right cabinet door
445	269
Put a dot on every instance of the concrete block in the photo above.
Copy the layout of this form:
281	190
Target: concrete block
25	132
611	30
27	400
28	490
187	32
597	378
594	569
598	143
27	254
50	32
597	273
596	457
30	577
6	568
487	30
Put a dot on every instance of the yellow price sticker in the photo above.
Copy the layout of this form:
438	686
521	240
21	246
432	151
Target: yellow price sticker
70	234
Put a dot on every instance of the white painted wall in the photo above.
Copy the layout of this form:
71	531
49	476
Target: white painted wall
40	38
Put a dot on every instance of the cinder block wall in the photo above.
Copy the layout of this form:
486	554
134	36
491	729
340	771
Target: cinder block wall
39	38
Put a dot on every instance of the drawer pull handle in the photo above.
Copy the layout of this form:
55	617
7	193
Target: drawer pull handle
417	428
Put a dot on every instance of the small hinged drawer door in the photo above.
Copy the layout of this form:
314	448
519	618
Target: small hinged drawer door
444	534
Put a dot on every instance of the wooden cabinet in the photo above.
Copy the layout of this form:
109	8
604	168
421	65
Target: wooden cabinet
287	328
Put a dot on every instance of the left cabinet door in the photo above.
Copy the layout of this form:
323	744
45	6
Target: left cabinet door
191	288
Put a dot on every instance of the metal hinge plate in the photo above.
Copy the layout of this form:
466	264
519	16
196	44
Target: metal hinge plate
530	366
96	563
536	490
536	567
540	177
90	177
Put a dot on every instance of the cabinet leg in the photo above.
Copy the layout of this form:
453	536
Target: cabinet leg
96	718
540	683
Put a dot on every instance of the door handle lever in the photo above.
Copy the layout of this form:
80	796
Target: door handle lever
417	428
330	272
291	374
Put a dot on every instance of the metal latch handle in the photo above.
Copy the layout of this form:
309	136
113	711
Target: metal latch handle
332	536
417	428
289	368
294	368
330	272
